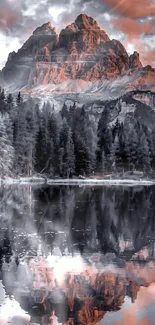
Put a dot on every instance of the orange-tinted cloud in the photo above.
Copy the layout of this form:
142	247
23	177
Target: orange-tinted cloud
132	28
132	8
145	297
149	57
8	19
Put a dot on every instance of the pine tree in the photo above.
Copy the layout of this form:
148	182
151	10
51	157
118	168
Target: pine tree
133	148
19	99
107	144
9	102
54	126
85	141
149	139
20	137
103	165
114	157
64	112
47	142
104	134
6	150
122	156
70	163
3	104
39	151
143	152
9	127
30	141
104	121
116	128
153	147
127	148
26	126
9	99
79	132
91	143
66	151
2	95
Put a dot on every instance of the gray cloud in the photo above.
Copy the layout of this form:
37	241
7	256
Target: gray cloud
56	11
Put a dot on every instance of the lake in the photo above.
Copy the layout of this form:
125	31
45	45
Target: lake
77	255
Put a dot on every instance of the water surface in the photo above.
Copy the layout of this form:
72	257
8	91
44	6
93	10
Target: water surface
77	255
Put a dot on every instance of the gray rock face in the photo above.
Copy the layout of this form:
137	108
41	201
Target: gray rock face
19	67
134	61
45	29
137	104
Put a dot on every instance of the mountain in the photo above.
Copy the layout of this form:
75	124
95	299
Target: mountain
19	68
134	105
81	59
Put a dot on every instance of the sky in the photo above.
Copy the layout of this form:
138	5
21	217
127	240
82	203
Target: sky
130	21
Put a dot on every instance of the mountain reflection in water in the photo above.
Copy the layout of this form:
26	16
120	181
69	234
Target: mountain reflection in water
71	255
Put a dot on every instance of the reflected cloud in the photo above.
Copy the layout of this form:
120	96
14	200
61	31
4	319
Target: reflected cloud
11	312
71	255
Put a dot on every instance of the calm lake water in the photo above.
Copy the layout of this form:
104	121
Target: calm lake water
77	255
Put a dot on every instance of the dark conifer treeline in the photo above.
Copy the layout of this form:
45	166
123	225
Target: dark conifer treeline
68	142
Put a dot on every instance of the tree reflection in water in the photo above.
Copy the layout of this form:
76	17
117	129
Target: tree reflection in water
73	255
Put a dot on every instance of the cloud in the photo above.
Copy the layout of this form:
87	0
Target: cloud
135	9
8	19
132	28
148	57
8	44
138	313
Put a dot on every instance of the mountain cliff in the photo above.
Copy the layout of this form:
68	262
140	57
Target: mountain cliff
82	55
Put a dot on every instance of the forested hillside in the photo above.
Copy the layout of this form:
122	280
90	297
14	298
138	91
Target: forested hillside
69	142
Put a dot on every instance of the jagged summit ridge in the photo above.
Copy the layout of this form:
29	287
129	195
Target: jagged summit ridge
45	29
84	32
85	22
134	61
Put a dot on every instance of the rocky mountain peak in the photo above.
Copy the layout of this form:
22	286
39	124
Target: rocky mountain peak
85	22
45	29
41	37
134	61
11	55
85	31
